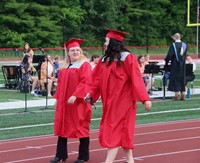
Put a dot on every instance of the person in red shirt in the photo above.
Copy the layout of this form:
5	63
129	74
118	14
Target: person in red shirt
117	79
72	115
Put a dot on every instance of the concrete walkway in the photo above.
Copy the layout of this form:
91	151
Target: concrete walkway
30	103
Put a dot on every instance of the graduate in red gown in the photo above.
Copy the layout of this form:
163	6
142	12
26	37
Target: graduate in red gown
117	79
72	115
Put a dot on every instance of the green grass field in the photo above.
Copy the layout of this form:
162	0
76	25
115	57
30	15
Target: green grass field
14	123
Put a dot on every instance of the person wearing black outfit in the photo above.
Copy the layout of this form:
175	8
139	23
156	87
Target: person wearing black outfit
177	55
26	71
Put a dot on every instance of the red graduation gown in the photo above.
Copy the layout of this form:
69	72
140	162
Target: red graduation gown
119	87
72	121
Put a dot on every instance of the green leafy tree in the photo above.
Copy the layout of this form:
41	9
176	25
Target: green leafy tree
49	23
39	22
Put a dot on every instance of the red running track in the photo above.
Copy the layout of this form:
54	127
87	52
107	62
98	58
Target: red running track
171	142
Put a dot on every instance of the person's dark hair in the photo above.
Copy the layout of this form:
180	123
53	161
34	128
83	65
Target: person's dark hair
113	52
56	57
139	57
25	61
26	50
45	58
93	57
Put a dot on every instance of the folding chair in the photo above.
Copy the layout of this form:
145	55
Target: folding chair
11	75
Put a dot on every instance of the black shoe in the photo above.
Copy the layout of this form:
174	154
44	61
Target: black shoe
80	161
56	160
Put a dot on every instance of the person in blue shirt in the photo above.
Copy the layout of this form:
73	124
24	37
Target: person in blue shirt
56	65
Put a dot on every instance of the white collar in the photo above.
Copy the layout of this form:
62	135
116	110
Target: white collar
178	41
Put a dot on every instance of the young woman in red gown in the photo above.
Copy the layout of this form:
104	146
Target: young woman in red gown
117	79
72	115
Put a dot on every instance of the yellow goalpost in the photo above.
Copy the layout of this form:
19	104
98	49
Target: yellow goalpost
188	16
194	24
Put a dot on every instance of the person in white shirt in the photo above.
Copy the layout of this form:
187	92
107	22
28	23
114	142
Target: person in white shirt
190	77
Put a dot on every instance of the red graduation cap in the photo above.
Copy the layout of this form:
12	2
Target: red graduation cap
117	35
73	42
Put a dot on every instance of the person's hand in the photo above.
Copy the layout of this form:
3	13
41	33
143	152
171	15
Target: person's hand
88	98
71	100
147	105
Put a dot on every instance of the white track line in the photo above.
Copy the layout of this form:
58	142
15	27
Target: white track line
41	146
167	141
175	130
74	142
51	136
168	111
162	154
95	119
167	123
18	140
97	150
44	157
148	133
97	130
28	126
141	157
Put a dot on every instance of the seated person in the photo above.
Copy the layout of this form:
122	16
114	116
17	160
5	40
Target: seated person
47	75
94	60
28	51
165	77
146	77
147	62
146	59
27	69
190	77
166	73
56	65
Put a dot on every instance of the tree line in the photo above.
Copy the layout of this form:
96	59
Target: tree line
48	23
